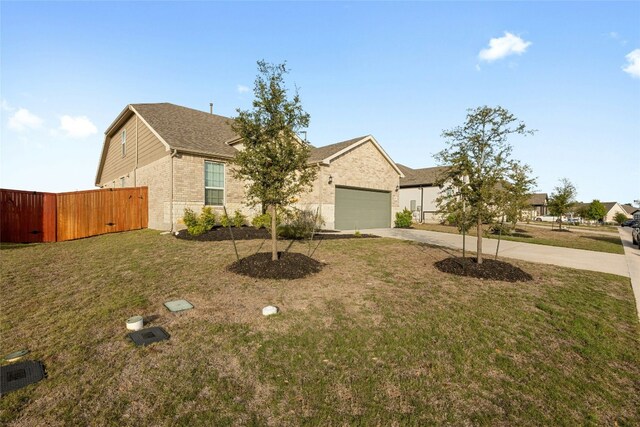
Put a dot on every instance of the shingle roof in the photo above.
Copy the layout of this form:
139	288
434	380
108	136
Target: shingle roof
417	177
197	131
538	199
320	153
189	130
607	206
629	209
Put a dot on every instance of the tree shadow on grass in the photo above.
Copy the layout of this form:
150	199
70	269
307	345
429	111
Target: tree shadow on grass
608	239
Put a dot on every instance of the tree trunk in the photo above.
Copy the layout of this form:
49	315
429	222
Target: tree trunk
499	237
479	239
274	235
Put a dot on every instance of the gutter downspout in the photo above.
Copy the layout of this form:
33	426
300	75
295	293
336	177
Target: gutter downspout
174	152
135	168
421	204
320	189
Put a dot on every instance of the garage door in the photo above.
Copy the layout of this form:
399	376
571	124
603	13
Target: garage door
360	209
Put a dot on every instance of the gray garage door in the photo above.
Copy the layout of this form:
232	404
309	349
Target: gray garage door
360	209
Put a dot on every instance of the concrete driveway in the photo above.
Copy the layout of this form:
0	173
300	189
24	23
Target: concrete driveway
564	257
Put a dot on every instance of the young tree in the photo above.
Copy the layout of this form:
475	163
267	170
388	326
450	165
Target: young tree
478	157
512	197
619	218
274	161
562	199
595	211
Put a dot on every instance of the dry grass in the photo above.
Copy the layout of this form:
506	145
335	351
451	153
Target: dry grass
542	235
379	337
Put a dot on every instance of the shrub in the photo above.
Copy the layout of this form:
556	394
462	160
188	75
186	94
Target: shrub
208	218
190	218
404	218
300	224
619	218
239	219
225	221
199	224
196	230
261	221
504	229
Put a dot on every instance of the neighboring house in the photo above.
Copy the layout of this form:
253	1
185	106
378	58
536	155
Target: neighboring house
182	155
632	211
538	203
611	209
418	192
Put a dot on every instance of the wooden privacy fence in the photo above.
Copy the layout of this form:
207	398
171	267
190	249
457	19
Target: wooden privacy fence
29	216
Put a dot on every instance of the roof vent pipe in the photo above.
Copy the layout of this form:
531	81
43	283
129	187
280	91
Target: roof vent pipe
211	107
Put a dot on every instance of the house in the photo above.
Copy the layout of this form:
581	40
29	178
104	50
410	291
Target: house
611	209
632	211
182	155
418	192
538	203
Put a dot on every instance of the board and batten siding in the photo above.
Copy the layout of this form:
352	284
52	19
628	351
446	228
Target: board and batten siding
148	146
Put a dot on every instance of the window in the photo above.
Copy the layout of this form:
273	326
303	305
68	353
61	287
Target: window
213	184
122	182
124	142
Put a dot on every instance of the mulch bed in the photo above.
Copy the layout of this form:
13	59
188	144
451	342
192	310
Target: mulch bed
489	269
219	234
288	266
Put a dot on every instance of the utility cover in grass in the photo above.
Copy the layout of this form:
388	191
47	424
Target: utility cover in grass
178	305
12	357
148	336
288	266
18	375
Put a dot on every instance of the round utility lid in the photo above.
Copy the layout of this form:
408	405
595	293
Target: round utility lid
15	355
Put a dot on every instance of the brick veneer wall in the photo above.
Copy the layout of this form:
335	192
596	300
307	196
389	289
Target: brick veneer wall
189	187
363	167
157	176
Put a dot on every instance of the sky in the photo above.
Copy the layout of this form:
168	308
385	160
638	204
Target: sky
401	71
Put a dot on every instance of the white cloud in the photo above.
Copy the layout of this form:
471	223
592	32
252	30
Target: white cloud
633	66
77	127
504	46
23	120
5	106
242	89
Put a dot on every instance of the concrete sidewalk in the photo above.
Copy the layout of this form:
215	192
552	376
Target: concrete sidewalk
632	255
564	257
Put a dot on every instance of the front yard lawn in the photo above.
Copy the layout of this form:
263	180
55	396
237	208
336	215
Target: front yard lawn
536	234
378	337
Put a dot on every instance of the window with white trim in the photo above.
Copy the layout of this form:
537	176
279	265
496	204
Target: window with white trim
213	184
123	143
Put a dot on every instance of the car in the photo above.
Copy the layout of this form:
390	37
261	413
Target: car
630	223
635	235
